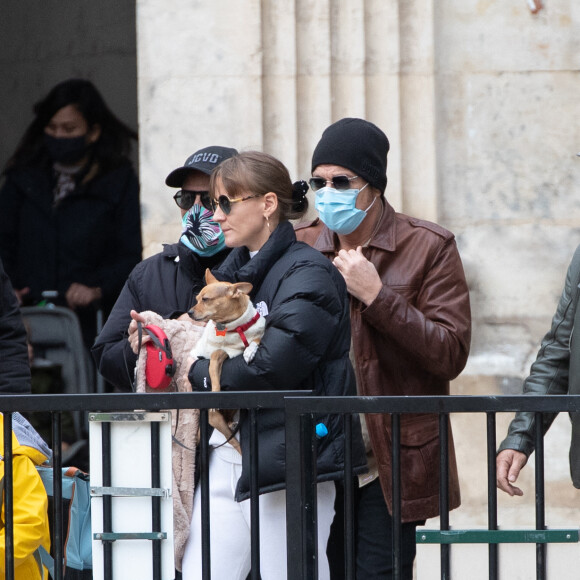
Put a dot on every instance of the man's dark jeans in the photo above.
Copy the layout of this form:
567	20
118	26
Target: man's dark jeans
373	536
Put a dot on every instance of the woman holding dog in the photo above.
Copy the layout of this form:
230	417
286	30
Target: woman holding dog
305	346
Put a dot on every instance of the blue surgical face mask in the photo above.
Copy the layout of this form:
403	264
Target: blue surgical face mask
200	233
337	209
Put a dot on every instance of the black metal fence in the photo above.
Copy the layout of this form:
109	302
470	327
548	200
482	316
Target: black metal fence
301	465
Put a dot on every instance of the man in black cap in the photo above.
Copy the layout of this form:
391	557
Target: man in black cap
166	283
411	327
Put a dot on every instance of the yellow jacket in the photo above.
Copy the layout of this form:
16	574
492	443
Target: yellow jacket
30	500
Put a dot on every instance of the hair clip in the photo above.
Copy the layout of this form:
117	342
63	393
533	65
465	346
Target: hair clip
299	188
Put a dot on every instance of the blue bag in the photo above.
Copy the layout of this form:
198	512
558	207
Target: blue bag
76	503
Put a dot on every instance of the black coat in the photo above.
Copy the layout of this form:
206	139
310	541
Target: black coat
93	237
14	364
163	284
305	346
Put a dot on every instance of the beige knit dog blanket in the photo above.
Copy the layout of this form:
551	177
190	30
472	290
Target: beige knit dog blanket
183	336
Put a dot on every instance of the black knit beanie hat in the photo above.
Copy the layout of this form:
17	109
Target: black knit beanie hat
357	145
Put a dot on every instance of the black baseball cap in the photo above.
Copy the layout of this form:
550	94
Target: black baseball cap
204	160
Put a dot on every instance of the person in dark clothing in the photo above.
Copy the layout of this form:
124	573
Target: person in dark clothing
166	283
14	365
303	299
554	372
70	219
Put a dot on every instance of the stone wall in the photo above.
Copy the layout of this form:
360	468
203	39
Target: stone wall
479	99
508	177
44	43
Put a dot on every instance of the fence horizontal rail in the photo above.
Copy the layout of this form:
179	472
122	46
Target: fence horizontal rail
146	401
497	536
295	401
438	404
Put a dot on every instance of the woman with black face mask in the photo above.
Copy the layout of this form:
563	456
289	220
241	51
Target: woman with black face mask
70	218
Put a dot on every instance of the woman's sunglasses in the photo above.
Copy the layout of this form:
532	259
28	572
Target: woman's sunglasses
224	202
185	198
340	182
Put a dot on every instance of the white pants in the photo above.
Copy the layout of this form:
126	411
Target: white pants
230	526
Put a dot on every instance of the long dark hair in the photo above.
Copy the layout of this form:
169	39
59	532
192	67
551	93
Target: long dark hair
110	150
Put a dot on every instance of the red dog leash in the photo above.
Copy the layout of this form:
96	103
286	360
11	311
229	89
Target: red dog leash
160	366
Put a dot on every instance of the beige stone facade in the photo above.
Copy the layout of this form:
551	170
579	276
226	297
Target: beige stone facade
480	100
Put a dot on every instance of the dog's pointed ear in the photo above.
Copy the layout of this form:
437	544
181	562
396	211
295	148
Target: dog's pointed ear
209	277
242	288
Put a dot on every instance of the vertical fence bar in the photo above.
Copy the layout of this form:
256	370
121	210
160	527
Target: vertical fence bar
540	496
204	484
313	476
254	495
491	495
57	512
156	500
396	476
444	492
107	500
308	487
348	499
294	515
100	321
8	498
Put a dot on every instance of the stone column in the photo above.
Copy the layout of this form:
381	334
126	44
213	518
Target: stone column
417	113
200	83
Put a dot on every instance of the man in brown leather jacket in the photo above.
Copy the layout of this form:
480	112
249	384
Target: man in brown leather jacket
411	327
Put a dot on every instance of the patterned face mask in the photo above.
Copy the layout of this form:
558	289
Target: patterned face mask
200	233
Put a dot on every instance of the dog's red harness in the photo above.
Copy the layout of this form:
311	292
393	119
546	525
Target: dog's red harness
243	327
240	329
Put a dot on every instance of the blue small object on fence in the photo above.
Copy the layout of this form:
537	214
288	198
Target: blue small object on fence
321	430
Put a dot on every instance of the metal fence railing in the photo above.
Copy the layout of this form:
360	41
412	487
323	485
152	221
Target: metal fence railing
301	553
301	466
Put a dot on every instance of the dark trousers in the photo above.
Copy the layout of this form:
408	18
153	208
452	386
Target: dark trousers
373	537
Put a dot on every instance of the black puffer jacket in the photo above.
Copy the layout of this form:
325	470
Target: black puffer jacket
92	237
166	283
305	346
14	365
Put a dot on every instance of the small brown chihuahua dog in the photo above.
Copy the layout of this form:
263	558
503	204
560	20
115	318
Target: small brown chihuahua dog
233	327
